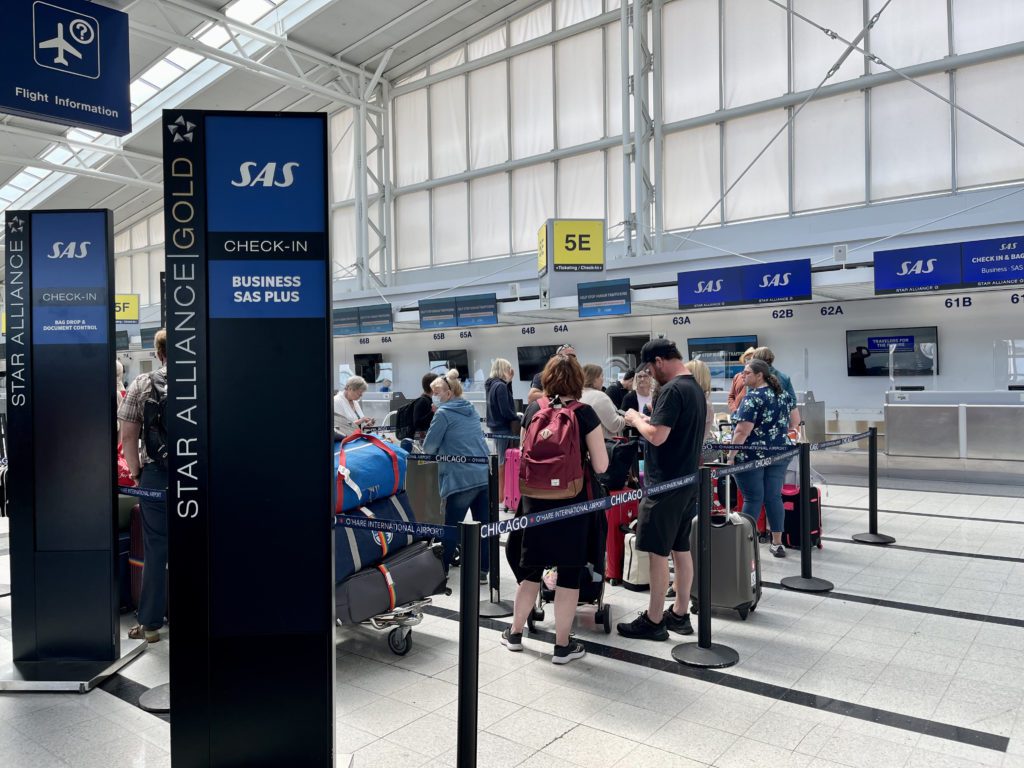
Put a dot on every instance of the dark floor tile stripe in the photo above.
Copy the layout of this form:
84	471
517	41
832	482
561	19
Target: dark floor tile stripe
950	552
968	736
933	610
926	514
129	691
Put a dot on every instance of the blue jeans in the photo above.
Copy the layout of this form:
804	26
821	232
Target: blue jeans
153	599
454	508
764	486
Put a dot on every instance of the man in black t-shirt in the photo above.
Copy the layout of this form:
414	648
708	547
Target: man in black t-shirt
675	436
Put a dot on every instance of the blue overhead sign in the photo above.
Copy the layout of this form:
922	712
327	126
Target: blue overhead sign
710	288
909	270
376	318
993	262
66	61
750	284
481	309
605	297
437	313
345	321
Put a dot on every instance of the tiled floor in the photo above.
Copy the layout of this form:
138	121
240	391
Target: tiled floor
913	640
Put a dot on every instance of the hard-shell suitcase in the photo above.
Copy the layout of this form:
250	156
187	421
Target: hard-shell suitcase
791	529
619	517
512	495
356	549
636	566
412	574
735	565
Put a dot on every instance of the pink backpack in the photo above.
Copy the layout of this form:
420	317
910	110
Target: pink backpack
551	466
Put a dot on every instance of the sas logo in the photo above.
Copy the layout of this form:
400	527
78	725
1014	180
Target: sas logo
267	175
709	286
780	280
919	267
71	250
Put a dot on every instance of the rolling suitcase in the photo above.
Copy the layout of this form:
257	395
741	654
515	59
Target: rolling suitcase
619	519
636	566
791	529
735	565
412	574
512	495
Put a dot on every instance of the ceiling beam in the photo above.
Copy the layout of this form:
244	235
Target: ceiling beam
86	172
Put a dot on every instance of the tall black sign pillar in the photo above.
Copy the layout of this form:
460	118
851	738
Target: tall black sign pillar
61	447
251	553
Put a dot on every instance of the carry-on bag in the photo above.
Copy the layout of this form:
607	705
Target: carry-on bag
735	564
619	518
412	574
367	468
622	456
512	495
791	528
636	566
356	549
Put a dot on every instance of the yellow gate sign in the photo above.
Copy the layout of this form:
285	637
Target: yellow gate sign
126	307
577	245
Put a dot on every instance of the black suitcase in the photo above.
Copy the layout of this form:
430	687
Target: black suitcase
408	575
791	528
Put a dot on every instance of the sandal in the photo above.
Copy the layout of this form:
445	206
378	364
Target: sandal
139	632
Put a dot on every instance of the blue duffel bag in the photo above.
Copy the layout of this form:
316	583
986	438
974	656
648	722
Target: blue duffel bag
356	549
367	469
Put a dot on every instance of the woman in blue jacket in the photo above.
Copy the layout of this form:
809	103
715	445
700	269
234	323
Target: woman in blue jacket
455	431
501	412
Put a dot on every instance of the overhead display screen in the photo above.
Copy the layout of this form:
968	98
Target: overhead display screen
915	351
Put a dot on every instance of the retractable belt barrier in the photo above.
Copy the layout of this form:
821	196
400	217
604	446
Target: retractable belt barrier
492	436
396	526
143	493
444	459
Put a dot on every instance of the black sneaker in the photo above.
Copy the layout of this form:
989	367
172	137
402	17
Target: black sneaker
642	628
514	642
678	624
565	653
777	549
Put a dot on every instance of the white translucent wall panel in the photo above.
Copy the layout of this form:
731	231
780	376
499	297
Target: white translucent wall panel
140	277
581	187
342	160
412	143
764	191
983	156
156	228
532	103
909	32
123	274
412	230
690	55
490	43
453	59
530	25
615	214
343	242
613	78
488	205
910	147
450	216
140	235
533	203
569	12
814	53
691	181
123	242
755	52
581	84
828	163
979	24
156	266
488	116
611	5
448	126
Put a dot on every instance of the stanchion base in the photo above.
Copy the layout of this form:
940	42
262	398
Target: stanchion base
715	656
873	538
813	584
65	676
156	699
501	609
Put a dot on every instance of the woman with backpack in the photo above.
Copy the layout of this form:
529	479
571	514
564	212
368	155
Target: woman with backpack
455	431
562	449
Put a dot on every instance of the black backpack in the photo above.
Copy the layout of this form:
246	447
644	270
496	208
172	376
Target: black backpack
154	423
404	426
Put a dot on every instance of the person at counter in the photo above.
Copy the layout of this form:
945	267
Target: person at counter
618	390
348	414
765	354
501	414
739	387
423	407
536	391
642	397
611	421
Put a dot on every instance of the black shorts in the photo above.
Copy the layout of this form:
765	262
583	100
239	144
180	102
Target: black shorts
664	522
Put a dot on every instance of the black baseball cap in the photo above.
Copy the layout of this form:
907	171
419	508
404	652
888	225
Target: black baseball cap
663	348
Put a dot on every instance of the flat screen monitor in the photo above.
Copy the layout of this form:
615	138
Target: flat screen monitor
368	365
721	353
533	359
121	341
916	351
148	335
443	360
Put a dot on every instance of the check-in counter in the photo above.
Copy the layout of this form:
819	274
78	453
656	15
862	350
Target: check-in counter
955	425
811	411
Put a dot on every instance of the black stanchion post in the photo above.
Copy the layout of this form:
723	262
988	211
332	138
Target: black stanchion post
806	581
704	653
469	643
494	607
873	536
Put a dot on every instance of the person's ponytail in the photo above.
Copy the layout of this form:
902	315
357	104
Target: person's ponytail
762	368
774	383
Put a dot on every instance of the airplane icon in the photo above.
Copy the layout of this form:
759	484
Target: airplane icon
62	46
